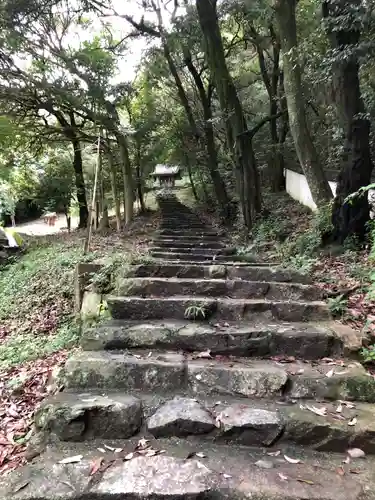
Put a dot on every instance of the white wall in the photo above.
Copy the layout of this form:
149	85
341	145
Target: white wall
297	188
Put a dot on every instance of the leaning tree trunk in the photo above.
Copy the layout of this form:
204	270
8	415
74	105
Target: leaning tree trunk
80	184
239	145
306	151
349	218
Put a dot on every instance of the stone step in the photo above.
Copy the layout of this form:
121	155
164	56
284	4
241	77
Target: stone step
200	257
188	469
160	372
301	340
234	289
187	262
183	225
186	233
192	251
189	237
77	416
203	308
180	243
199	271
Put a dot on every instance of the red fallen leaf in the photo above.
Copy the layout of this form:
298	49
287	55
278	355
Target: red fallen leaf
95	466
340	471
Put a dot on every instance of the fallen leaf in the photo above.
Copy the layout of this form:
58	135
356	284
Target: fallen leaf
118	450
21	486
292	460
198	377
110	448
347	404
356	453
282	476
200	454
353	421
330	373
95	466
226	476
339	408
342	373
340	471
102	450
204	354
306	481
143	443
129	456
151	453
71	460
274	453
149	354
355	471
322	412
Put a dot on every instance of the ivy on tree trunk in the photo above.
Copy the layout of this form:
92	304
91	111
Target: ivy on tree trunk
343	21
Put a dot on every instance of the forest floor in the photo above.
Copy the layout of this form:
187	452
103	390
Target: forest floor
37	325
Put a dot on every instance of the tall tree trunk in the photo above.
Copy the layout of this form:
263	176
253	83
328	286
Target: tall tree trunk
127	178
239	145
271	80
116	199
306	152
139	177
192	184
218	183
349	219
80	184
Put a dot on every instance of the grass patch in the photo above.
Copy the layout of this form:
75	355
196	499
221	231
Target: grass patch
20	348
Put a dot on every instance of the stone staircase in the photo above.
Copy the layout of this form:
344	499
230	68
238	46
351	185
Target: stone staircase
215	379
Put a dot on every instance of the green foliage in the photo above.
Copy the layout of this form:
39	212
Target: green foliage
300	263
19	348
195	312
368	354
104	281
337	305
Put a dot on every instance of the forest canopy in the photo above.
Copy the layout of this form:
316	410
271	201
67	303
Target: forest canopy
233	92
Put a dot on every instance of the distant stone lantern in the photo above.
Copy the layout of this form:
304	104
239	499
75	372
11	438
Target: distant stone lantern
166	174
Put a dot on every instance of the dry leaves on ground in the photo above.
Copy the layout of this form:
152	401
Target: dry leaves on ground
21	390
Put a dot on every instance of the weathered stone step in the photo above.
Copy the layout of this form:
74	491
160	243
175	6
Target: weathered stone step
301	340
203	308
188	469
182	225
161	372
234	289
186	233
182	236
192	251
180	243
237	271
202	256
77	416
188	262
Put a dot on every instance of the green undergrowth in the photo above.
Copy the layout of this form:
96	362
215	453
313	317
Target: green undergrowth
37	301
115	269
20	348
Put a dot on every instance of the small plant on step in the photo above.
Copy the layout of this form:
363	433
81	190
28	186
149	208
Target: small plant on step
368	354
338	305
195	312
